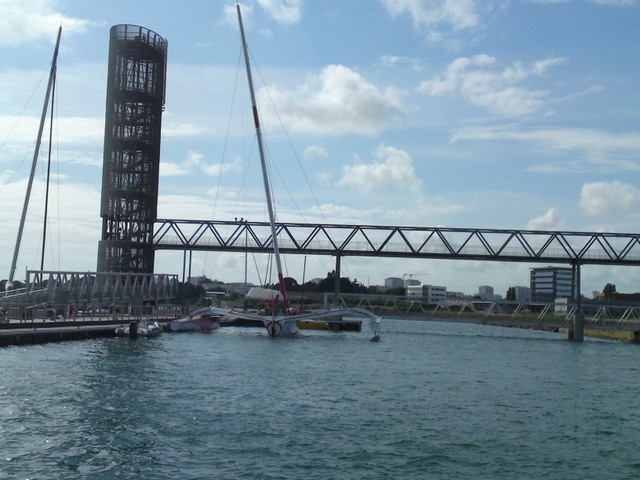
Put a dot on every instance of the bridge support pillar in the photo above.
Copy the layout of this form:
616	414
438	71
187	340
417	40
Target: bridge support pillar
336	285
576	331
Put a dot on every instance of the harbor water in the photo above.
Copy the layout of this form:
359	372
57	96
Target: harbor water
431	400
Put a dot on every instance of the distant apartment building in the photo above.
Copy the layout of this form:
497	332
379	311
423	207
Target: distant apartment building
485	292
549	283
429	293
523	294
456	295
411	282
393	282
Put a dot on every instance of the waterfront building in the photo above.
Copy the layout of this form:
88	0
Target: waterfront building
456	295
393	282
522	293
549	283
485	292
429	293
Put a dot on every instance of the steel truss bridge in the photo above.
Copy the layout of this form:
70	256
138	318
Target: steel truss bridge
574	248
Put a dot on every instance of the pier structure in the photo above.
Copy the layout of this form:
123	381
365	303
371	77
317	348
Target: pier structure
136	84
59	295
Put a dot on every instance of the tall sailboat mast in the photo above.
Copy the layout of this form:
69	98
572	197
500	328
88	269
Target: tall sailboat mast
263	163
25	207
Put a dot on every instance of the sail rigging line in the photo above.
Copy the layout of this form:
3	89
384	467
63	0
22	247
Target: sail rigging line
295	155
255	264
58	196
226	139
267	186
46	195
284	183
35	158
15	124
222	163
55	158
280	176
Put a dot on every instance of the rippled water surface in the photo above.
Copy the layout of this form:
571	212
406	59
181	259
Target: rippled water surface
431	400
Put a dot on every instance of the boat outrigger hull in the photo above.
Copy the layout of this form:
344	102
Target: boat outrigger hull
287	325
202	320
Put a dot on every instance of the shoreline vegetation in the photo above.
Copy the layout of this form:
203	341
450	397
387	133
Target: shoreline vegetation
621	336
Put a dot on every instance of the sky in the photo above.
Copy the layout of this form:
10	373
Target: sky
505	114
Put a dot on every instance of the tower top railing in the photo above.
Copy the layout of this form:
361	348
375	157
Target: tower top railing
140	34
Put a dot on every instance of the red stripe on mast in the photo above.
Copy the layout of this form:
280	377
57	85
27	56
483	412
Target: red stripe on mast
283	291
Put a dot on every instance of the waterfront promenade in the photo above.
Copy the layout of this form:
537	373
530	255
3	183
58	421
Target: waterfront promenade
57	328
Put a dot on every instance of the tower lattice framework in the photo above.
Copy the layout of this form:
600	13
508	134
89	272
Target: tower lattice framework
136	84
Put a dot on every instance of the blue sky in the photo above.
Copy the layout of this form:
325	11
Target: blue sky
457	113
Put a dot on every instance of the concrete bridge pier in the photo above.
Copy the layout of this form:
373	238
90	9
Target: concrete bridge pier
336	285
576	331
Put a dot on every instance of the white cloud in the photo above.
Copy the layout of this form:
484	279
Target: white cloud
218	169
176	130
68	130
314	151
615	3
588	150
324	178
337	101
287	12
482	83
610	199
394	168
25	21
344	213
552	220
172	169
460	14
610	3
393	61
73	228
195	160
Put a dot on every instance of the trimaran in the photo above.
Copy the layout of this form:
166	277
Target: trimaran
278	321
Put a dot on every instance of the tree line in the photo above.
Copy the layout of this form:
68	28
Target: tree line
328	283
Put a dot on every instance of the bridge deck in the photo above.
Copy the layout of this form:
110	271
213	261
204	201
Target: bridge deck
408	242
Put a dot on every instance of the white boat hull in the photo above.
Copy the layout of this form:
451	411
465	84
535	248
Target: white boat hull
201	322
147	329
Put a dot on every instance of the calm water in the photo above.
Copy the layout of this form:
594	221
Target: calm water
431	400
